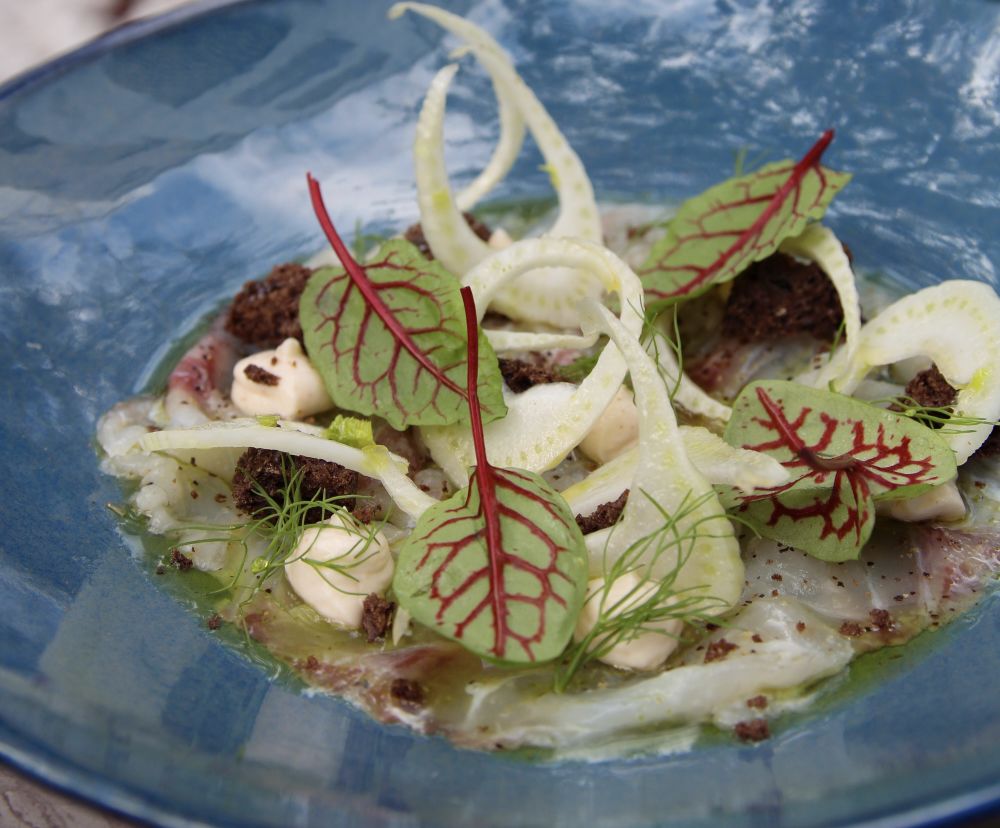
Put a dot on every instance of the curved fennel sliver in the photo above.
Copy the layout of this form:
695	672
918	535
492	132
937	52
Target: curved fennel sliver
666	481
720	463
506	341
511	123
687	394
297	438
551	296
818	244
957	325
546	422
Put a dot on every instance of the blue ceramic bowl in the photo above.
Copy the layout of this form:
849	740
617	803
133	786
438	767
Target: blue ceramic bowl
145	177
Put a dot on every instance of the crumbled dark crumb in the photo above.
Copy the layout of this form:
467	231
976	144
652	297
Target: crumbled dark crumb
312	664
415	234
881	619
780	296
851	629
160	569
520	375
800	626
719	649
270	470
180	560
261	376
930	389
605	515
756	638
710	627
776	577
194	494
754	730
408	693
757	702
376	615
214	621
266	312
365	511
220	498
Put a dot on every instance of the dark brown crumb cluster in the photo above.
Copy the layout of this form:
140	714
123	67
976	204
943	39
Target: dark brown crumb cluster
930	389
376	615
266	312
520	375
603	516
180	560
415	234
261	376
757	702
753	730
408	693
271	470
780	296
881	620
719	649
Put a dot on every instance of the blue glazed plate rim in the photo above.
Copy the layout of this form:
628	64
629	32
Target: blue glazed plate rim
105	792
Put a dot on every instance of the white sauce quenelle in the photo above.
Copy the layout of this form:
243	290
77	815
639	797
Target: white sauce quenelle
646	650
281	381
336	565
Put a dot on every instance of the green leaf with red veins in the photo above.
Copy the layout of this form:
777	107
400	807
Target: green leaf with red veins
843	455
501	566
718	234
389	338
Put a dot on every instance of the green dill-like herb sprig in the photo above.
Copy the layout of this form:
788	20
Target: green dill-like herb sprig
651	601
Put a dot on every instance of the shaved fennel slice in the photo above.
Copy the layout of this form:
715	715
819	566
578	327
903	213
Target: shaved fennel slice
666	482
507	341
719	462
686	393
546	422
511	123
540	298
818	244
297	438
787	658
957	325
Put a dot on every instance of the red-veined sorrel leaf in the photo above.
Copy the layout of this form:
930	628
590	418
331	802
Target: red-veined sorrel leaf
389	338
718	234
501	566
843	455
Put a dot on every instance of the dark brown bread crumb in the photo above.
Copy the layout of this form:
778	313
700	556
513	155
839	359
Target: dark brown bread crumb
605	515
800	626
850	629
272	469
780	296
266	312
180	560
415	234
754	730
930	389
719	649
756	639
881	619
757	702
409	693
521	375
258	375
376	615
214	621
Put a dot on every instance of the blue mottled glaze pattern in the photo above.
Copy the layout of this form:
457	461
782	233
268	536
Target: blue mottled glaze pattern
144	179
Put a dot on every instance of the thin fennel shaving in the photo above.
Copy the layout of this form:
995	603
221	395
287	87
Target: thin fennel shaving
957	325
668	481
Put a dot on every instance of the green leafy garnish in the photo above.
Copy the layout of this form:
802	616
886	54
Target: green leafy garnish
351	431
718	234
267	420
501	566
843	455
388	338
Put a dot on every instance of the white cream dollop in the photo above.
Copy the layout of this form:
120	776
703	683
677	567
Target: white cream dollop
357	563
646	651
616	430
298	392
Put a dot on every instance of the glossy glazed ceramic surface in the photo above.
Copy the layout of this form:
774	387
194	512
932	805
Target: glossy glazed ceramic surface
144	179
